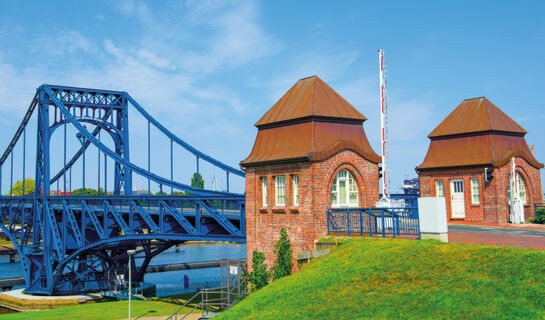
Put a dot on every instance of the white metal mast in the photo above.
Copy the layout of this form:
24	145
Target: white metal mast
517	207
384	128
214	183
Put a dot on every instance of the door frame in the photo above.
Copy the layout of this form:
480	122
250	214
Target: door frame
463	205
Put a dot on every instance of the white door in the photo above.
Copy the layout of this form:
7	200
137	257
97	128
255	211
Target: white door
457	199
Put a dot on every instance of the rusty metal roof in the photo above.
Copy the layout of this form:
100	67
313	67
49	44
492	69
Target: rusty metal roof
477	133
309	141
311	122
487	149
476	115
310	97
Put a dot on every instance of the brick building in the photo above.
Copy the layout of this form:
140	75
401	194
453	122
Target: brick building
477	135
310	154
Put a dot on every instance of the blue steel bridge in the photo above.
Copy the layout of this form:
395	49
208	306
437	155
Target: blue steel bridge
76	244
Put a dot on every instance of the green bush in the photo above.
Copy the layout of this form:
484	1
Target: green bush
259	277
282	266
540	216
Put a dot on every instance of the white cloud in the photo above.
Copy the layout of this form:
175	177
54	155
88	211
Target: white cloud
63	44
329	67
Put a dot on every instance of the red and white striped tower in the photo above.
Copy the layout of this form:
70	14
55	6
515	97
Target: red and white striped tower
383	127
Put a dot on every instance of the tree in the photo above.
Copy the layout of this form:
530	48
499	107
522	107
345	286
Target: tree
197	181
17	187
282	266
88	192
259	277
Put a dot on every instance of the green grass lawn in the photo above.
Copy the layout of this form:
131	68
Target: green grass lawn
406	279
109	310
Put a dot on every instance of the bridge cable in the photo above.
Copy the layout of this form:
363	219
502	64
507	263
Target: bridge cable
180	142
129	165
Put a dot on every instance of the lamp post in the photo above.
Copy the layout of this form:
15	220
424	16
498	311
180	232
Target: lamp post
130	253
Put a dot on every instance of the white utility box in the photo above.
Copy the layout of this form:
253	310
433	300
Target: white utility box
433	218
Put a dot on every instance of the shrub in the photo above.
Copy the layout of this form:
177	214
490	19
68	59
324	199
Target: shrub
259	277
540	216
282	266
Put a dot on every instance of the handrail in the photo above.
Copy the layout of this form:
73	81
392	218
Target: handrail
204	302
374	221
180	308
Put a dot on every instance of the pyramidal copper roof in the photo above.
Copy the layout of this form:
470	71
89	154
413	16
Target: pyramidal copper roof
311	122
310	97
477	133
476	115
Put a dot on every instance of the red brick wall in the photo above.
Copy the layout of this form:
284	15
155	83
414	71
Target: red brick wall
305	223
494	206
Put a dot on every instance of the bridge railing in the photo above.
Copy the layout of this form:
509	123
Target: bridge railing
384	222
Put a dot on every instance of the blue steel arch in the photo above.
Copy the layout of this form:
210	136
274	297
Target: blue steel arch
71	244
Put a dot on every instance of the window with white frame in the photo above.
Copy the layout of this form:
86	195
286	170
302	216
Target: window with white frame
295	182
439	189
522	189
280	190
344	191
264	191
475	192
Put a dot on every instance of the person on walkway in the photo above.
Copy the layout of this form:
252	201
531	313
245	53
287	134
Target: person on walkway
186	282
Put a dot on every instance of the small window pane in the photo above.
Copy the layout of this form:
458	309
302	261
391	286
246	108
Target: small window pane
342	191
475	192
439	190
295	179
334	199
353	198
280	186
264	191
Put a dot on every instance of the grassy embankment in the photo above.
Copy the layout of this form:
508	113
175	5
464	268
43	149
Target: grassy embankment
406	279
163	306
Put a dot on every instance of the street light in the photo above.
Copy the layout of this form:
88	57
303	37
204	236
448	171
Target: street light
130	253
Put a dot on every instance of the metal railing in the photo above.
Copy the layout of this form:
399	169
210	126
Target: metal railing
538	207
233	289
371	222
212	300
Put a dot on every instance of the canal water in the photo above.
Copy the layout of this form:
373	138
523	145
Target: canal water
169	283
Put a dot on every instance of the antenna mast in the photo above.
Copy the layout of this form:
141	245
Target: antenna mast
384	128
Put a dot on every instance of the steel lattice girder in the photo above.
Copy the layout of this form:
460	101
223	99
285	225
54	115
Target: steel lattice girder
73	229
67	244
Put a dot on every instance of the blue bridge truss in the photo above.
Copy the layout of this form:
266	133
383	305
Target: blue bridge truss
72	244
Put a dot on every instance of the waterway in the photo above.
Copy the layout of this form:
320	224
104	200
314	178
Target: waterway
169	283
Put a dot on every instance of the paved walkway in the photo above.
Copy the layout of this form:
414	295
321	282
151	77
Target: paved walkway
511	236
503	225
194	316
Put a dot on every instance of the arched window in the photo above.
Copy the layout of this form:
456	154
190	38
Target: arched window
522	189
344	191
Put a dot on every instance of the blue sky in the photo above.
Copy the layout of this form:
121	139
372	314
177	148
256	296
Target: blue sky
208	70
